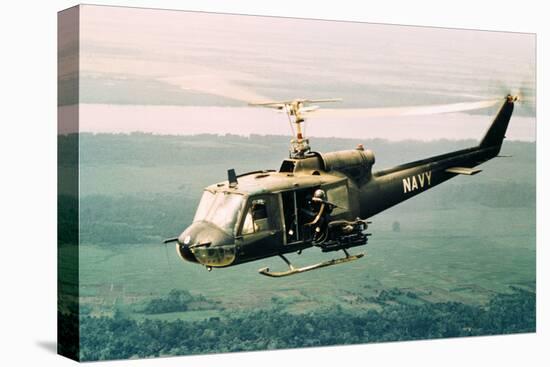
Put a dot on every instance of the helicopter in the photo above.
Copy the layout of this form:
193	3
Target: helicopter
322	200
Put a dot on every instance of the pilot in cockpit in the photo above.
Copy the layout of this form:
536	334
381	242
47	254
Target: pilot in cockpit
259	216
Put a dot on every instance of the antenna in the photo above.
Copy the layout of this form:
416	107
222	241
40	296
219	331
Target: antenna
295	110
232	178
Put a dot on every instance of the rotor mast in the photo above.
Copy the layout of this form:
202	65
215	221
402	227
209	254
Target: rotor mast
295	110
299	146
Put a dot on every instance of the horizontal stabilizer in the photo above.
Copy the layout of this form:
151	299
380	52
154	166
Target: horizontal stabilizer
463	170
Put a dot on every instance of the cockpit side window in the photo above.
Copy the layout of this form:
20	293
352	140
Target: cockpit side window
256	219
260	215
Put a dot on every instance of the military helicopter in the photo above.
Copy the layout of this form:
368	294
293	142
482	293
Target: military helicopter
314	199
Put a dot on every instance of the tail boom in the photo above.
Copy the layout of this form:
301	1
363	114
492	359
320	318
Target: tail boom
392	186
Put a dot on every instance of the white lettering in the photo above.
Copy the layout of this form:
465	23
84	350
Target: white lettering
414	184
410	183
406	185
421	179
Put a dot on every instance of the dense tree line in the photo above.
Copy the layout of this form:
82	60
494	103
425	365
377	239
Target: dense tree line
134	219
120	337
179	300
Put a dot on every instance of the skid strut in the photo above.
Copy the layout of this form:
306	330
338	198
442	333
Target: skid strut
292	270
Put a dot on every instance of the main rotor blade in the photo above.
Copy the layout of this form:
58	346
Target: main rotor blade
322	100
406	110
280	104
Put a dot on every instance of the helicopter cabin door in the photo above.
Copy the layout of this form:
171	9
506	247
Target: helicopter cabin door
294	203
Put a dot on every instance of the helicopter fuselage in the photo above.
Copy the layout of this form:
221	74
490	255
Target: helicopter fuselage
265	213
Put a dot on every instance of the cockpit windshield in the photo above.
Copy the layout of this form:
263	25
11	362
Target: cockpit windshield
220	208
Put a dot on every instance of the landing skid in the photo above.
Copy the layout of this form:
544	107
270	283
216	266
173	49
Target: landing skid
292	270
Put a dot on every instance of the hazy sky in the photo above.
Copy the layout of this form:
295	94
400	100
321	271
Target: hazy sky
158	58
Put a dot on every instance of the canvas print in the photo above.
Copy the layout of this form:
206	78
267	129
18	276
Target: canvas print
234	183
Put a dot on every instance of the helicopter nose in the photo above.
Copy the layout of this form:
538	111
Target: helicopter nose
183	250
206	244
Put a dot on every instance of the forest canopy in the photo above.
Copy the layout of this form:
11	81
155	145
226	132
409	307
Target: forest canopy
120	337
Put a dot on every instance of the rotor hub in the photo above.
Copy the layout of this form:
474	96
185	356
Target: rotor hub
295	110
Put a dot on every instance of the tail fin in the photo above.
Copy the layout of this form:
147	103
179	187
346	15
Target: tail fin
495	134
